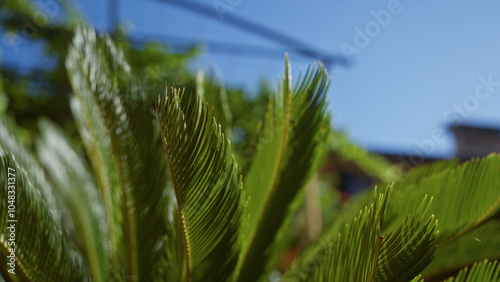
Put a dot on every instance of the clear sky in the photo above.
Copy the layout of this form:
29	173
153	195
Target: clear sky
416	65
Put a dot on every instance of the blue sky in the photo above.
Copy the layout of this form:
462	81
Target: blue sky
423	68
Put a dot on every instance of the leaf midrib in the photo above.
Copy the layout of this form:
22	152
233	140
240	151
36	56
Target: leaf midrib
275	174
177	199
19	265
377	257
129	226
483	219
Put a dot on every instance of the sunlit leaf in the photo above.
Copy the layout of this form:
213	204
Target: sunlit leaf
361	252
117	126
291	144
76	185
207	186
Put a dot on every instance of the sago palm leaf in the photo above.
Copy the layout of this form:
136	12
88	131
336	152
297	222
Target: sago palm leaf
291	143
362	253
481	243
468	195
467	198
207	187
171	266
485	271
76	185
117	127
43	249
358	201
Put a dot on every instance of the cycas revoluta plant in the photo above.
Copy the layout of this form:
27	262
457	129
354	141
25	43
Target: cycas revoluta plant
163	198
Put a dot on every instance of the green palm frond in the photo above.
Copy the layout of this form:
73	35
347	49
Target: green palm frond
362	253
481	243
171	266
117	126
24	158
40	247
291	143
43	251
207	187
358	201
468	199
485	271
76	185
